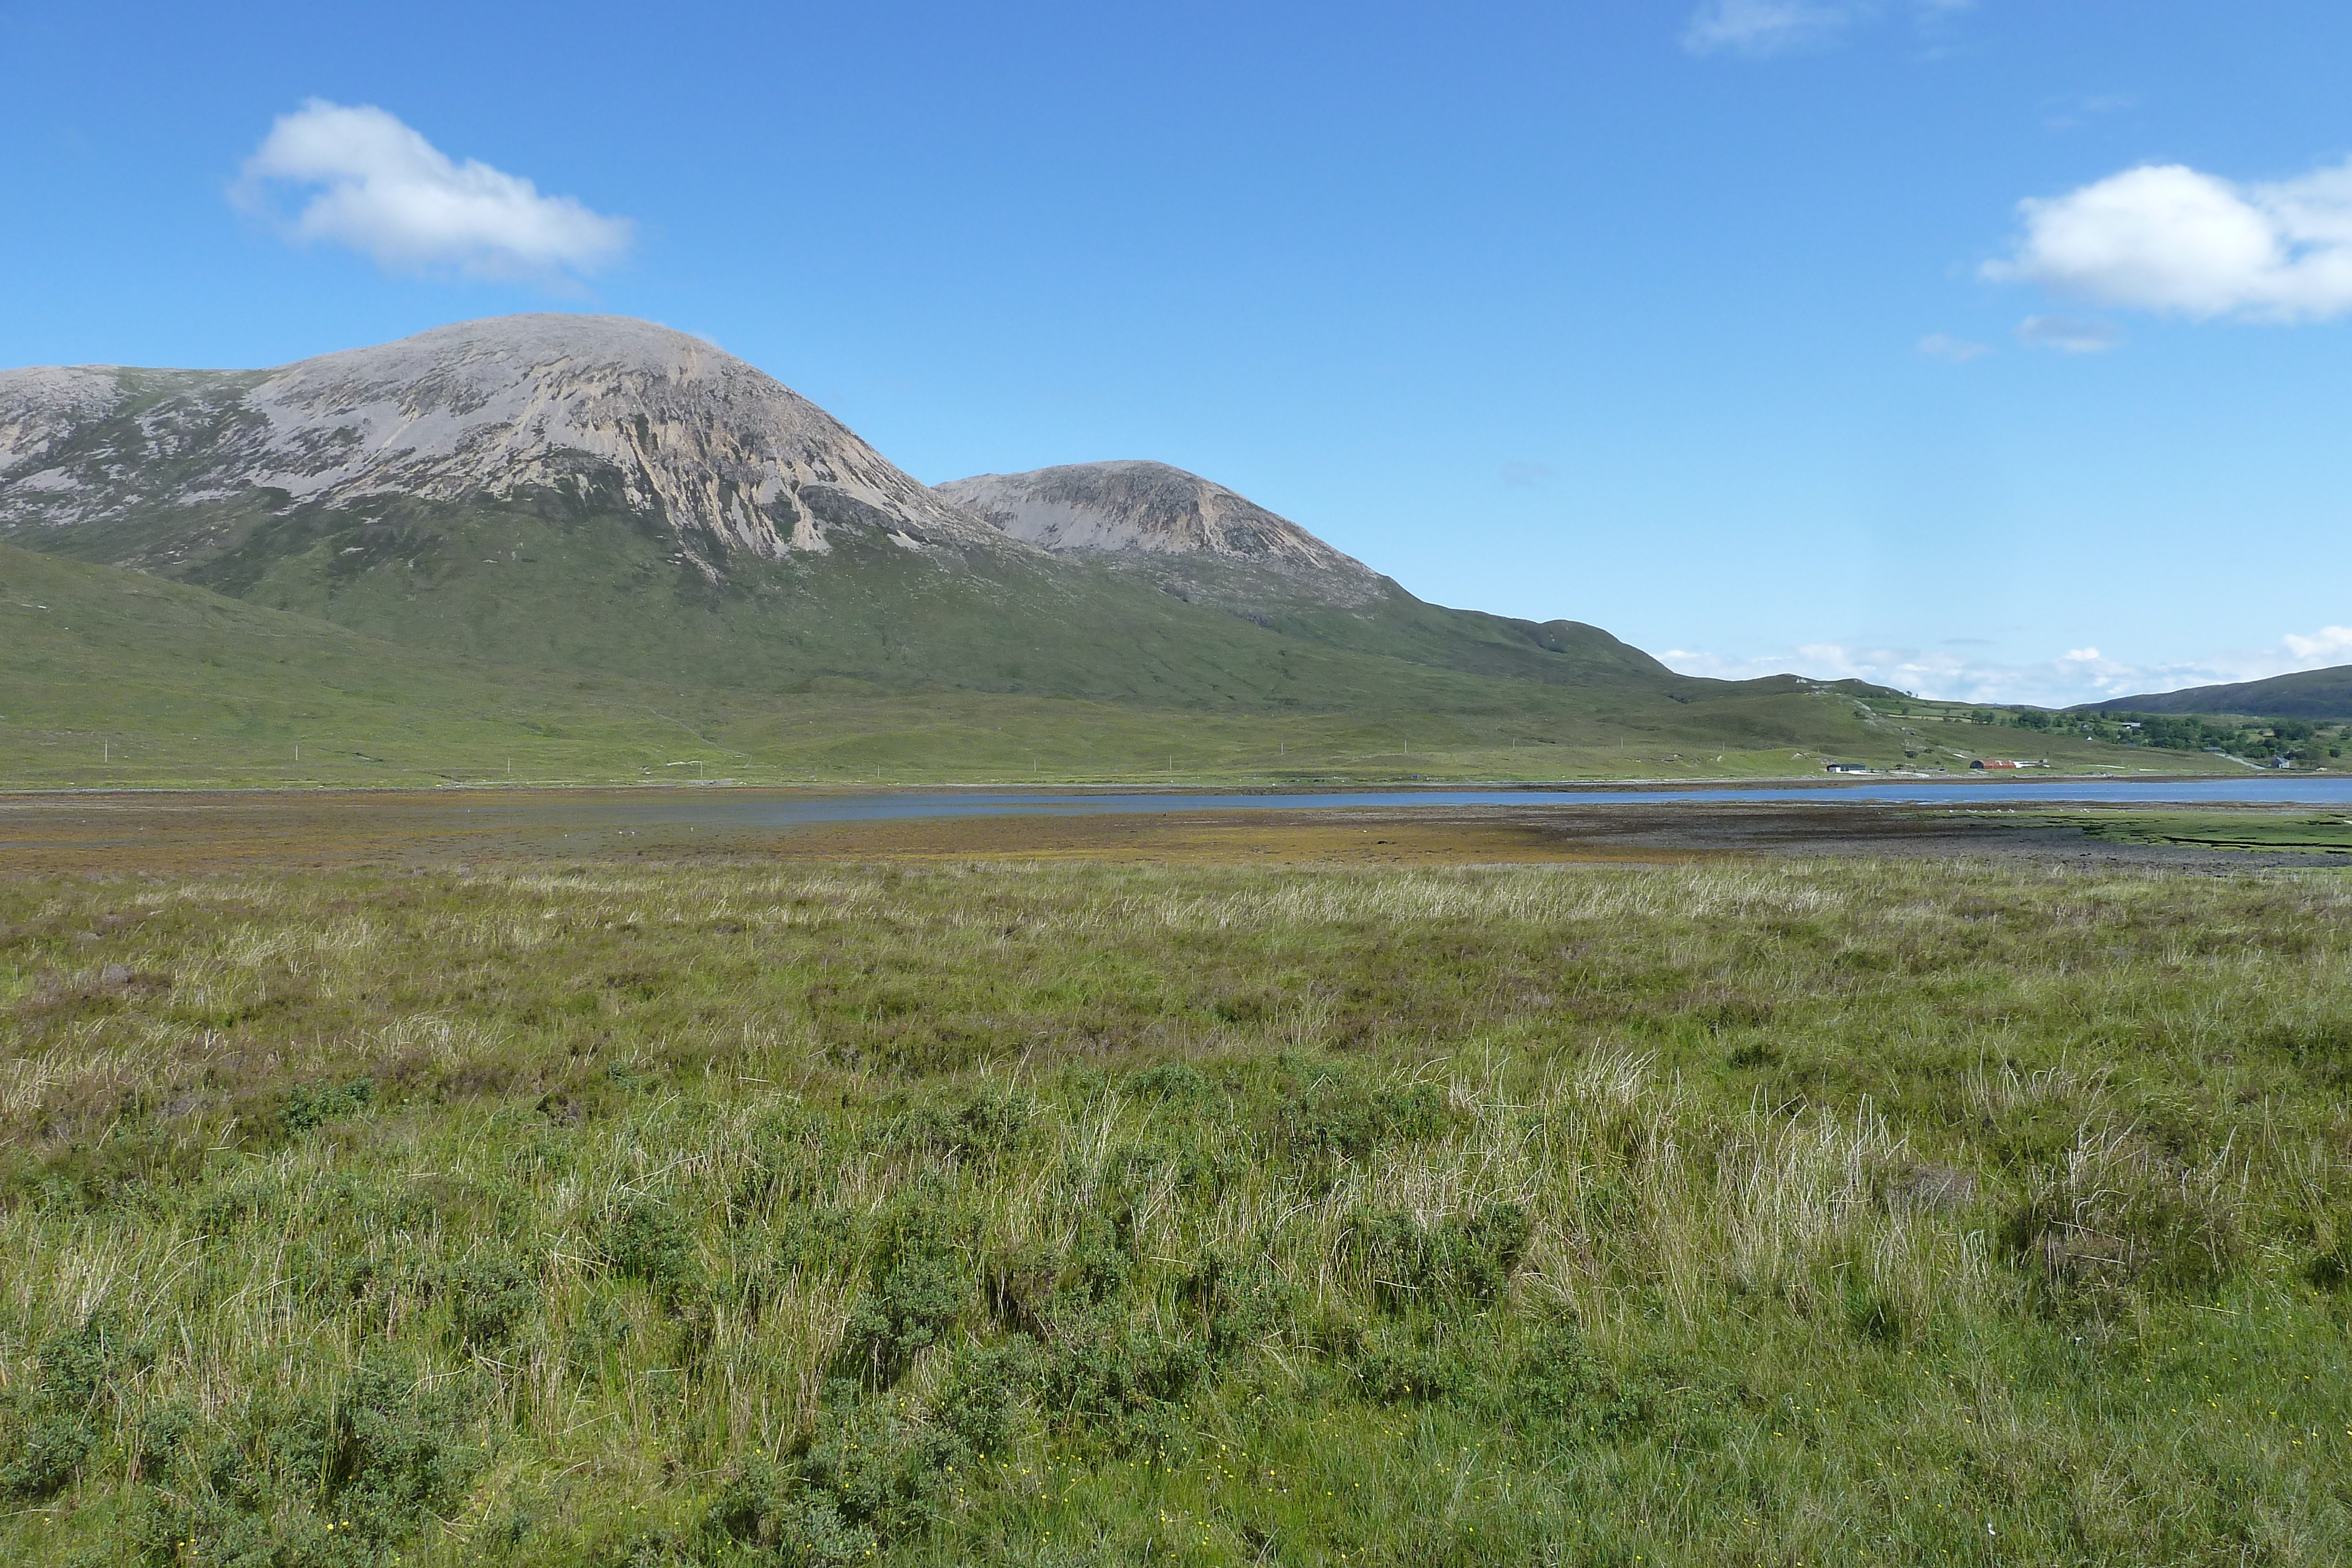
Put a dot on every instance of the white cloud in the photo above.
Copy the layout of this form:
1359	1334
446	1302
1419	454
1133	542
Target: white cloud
1959	350
362	179
1952	673
2068	335
1762	28
2329	645
2166	237
1765	26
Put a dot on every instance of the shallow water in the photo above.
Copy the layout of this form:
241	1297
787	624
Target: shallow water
733	808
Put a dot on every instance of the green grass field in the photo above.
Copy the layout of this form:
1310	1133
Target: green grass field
730	1214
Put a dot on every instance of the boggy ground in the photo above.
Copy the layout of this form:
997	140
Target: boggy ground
177	832
1599	830
731	1212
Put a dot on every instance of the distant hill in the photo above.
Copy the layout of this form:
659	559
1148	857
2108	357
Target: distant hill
1196	540
578	496
1130	509
567	491
2307	694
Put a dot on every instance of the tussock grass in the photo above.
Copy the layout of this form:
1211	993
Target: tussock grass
1897	1213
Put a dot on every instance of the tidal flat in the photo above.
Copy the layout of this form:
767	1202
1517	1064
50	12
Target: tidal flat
753	1208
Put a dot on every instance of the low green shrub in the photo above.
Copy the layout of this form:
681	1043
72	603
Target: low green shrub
492	1294
1123	1382
309	1105
331	1479
1463	1260
1332	1109
645	1238
921	1280
48	1428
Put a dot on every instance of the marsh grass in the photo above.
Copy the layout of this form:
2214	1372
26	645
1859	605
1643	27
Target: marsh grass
1901	1213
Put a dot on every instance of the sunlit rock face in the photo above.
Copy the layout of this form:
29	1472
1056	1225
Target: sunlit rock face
1144	510
604	406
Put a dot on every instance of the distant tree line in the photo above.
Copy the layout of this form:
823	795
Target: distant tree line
2294	739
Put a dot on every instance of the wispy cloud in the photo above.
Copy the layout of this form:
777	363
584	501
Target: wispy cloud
1760	28
1766	27
1952	671
2167	238
1956	351
359	177
2079	109
2068	335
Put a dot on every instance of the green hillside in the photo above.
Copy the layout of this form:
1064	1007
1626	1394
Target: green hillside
587	548
544	580
111	677
2306	694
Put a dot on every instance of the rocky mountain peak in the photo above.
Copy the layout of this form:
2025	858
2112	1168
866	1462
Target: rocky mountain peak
729	458
1152	510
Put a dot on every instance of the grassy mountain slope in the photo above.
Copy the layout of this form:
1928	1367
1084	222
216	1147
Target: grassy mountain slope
113	677
557	582
540	581
2306	694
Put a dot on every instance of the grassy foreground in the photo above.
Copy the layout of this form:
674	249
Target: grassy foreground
726	1214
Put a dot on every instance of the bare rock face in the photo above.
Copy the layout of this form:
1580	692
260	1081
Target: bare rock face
1151	510
40	406
728	456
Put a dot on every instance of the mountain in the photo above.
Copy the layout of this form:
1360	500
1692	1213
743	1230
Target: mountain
593	410
1180	525
2306	694
556	495
564	491
1196	540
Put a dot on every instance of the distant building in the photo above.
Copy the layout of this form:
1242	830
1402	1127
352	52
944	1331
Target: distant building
1847	768
1991	764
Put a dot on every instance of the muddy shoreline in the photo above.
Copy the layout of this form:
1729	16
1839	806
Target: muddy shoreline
165	834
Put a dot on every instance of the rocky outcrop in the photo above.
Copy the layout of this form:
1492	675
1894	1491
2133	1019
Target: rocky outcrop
1152	512
586	406
41	406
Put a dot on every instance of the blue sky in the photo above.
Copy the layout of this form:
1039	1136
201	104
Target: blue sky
1992	349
